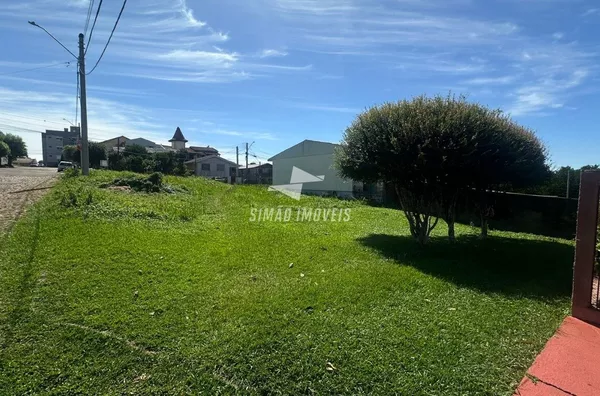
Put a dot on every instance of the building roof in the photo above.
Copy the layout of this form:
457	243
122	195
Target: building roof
194	149
142	142
252	166
305	148
202	159
178	136
122	140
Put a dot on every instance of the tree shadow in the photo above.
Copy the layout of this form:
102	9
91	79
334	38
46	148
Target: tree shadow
518	267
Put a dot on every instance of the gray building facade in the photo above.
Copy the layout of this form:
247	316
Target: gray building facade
54	141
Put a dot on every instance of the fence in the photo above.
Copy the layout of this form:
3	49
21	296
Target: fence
586	293
536	214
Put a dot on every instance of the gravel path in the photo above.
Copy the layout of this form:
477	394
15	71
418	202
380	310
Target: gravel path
16	179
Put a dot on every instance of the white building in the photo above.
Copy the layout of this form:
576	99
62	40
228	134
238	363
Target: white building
315	158
53	143
214	167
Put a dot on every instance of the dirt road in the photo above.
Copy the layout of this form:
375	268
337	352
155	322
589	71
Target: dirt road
16	179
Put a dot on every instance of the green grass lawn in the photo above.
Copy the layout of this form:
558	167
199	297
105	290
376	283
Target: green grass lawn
108	292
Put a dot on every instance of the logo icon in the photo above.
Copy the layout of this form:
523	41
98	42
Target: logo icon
298	178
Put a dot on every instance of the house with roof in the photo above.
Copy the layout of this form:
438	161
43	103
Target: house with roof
178	143
261	173
315	158
213	167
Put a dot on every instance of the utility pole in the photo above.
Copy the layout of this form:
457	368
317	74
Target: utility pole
85	153
237	162
85	164
246	159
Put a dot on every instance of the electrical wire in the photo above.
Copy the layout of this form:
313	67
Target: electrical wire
93	26
36	68
89	15
23	123
109	38
31	118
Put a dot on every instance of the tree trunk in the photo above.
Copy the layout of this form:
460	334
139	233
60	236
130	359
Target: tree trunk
484	226
424	231
483	211
451	234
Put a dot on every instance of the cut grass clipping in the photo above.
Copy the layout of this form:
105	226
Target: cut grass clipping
112	292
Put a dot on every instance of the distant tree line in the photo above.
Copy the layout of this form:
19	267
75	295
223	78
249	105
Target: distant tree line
134	158
556	182
12	146
73	154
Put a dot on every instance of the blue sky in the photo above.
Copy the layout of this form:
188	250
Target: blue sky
279	71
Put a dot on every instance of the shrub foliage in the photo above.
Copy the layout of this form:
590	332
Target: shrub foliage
432	149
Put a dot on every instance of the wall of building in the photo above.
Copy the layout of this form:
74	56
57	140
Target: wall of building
319	164
178	145
213	172
53	143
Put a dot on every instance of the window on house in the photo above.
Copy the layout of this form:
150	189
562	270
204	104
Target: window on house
220	167
205	167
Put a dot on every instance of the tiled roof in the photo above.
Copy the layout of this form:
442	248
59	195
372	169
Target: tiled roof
178	136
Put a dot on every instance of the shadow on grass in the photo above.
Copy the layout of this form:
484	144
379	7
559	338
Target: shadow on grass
519	267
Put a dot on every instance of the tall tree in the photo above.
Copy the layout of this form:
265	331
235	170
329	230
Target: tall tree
134	149
70	153
17	146
97	153
4	149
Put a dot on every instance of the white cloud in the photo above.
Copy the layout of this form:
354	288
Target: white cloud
550	91
503	80
200	58
189	15
269	53
158	39
320	7
591	11
558	35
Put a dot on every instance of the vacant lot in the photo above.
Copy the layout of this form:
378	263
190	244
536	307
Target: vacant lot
105	291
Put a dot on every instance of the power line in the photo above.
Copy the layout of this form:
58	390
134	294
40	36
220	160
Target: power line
54	38
31	118
36	68
25	123
23	130
89	15
109	38
93	26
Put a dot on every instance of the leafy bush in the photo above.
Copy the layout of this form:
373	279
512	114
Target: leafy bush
116	162
431	150
74	198
71	172
156	178
152	183
134	163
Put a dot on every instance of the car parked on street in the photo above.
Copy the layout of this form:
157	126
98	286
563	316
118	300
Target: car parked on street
62	165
